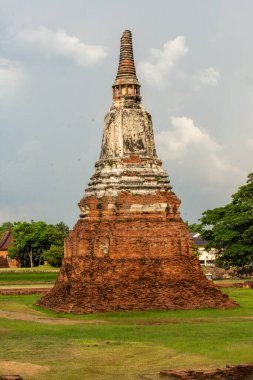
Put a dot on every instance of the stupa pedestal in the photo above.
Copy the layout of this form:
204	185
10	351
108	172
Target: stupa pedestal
130	249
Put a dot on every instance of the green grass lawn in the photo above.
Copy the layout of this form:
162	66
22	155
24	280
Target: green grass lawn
21	277
122	345
39	268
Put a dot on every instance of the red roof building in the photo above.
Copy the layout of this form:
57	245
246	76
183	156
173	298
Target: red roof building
5	243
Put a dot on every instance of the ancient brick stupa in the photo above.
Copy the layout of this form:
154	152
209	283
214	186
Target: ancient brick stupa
130	249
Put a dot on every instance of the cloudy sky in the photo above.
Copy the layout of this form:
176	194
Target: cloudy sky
58	60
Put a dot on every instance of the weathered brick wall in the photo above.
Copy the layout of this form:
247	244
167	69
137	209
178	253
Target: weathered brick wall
131	261
95	285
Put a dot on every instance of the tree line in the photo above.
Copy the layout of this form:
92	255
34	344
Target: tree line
229	229
36	242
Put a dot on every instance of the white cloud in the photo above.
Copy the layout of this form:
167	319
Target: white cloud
59	43
191	147
164	60
184	136
11	76
209	77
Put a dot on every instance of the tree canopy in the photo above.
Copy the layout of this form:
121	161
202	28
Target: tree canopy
229	229
31	239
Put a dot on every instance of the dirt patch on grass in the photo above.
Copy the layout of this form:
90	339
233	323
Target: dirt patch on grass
229	284
8	367
37	317
24	291
20	286
3	330
53	321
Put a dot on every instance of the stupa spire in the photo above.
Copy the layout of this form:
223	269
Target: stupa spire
126	83
130	249
126	67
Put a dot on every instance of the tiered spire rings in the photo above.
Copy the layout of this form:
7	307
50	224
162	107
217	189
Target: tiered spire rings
126	83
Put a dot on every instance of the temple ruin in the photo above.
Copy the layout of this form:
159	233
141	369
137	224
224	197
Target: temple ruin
130	249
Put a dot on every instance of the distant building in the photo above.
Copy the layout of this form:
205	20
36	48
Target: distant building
5	243
205	257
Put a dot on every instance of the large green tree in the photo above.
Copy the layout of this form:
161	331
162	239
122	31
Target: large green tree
31	239
229	229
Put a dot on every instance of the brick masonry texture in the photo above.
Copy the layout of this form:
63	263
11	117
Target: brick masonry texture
123	260
130	249
234	372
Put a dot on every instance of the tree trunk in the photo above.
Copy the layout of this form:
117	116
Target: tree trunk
30	254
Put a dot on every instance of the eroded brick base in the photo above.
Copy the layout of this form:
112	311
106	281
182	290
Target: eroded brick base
92	285
131	260
234	372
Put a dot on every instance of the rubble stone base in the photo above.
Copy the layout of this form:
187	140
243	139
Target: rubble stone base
136	256
235	372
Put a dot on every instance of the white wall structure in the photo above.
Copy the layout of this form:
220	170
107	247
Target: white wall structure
206	258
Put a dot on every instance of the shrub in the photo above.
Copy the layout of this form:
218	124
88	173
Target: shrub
54	256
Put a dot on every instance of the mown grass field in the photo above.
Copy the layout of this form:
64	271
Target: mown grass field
22	277
39	268
40	344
